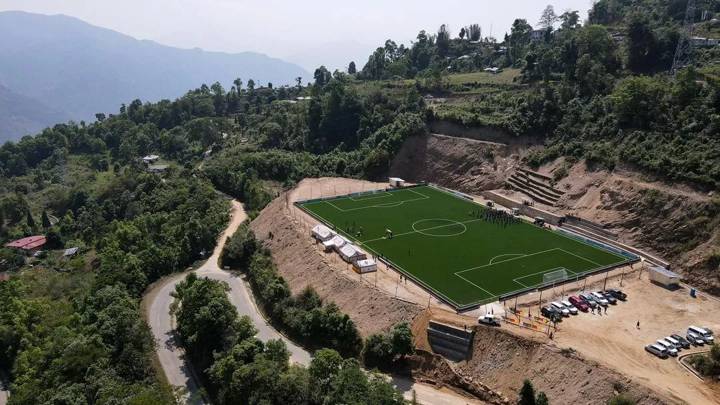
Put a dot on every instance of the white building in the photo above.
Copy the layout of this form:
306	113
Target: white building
664	277
365	266
334	243
396	182
150	159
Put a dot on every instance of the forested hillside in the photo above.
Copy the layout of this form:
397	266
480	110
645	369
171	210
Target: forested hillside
71	331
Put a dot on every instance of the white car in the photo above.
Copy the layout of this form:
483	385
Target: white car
561	308
703	333
657	350
570	307
674	342
488	319
671	350
600	299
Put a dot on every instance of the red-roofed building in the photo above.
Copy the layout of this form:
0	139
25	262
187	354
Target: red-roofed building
28	244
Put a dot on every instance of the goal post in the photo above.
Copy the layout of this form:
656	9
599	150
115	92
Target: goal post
555	276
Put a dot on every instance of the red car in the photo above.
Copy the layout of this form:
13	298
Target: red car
579	304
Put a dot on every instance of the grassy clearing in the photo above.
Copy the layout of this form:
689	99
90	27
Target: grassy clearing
452	246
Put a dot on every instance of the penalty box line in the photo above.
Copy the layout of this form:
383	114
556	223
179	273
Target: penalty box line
541	272
390	204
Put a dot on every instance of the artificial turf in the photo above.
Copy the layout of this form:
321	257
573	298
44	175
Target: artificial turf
451	245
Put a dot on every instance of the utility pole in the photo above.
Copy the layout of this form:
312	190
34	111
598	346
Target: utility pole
684	51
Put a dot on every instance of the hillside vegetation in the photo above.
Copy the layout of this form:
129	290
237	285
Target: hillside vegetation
71	330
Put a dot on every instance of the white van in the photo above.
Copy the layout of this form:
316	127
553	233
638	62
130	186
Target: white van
695	339
671	350
703	333
560	307
657	350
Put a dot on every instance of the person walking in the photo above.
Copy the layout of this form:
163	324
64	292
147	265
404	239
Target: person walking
637	326
606	310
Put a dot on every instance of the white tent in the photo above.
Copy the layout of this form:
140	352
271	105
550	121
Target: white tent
396	182
365	266
322	233
334	243
350	253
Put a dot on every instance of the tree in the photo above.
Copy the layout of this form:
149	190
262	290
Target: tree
251	86
351	68
45	220
298	80
621	400
569	20
461	34
29	220
474	32
322	76
642	44
541	399
238	84
527	394
443	40
548	17
402	340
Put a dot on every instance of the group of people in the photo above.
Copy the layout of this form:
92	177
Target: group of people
500	217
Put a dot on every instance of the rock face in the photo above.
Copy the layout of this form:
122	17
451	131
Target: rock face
503	361
301	265
672	221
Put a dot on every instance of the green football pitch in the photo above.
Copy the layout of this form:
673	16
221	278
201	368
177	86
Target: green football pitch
454	247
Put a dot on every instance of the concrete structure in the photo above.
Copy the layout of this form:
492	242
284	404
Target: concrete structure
350	253
334	243
664	277
396	182
150	159
449	341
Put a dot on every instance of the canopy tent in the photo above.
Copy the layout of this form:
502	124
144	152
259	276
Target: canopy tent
350	253
334	243
322	233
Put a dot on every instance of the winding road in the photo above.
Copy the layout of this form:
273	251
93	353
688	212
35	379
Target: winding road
177	370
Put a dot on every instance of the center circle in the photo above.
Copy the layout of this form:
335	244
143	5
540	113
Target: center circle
439	227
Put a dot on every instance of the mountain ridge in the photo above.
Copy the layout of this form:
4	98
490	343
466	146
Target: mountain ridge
81	69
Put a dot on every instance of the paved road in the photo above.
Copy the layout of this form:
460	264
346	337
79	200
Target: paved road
178	372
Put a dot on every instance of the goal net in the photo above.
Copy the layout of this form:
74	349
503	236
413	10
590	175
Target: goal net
555	276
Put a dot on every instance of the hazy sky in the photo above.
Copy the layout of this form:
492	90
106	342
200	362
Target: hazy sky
310	33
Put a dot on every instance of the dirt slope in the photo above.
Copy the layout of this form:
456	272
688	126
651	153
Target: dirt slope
301	265
672	221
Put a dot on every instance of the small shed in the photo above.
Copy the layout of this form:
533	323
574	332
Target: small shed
365	266
664	277
322	233
150	159
350	253
70	252
334	243
396	182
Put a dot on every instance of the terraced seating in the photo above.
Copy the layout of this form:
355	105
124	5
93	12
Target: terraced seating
535	185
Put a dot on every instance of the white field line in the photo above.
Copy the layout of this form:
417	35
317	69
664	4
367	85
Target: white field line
506	254
468	281
508	260
541	272
385	205
375	196
582	258
425	229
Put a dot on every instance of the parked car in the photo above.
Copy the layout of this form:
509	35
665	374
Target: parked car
695	339
683	342
579	303
612	300
703	333
488	319
600	299
671	350
674	342
617	294
551	313
589	299
570	307
657	350
561	308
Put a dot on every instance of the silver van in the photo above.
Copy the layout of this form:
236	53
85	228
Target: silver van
703	333
657	350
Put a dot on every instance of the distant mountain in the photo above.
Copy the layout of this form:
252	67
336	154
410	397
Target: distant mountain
80	69
20	115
